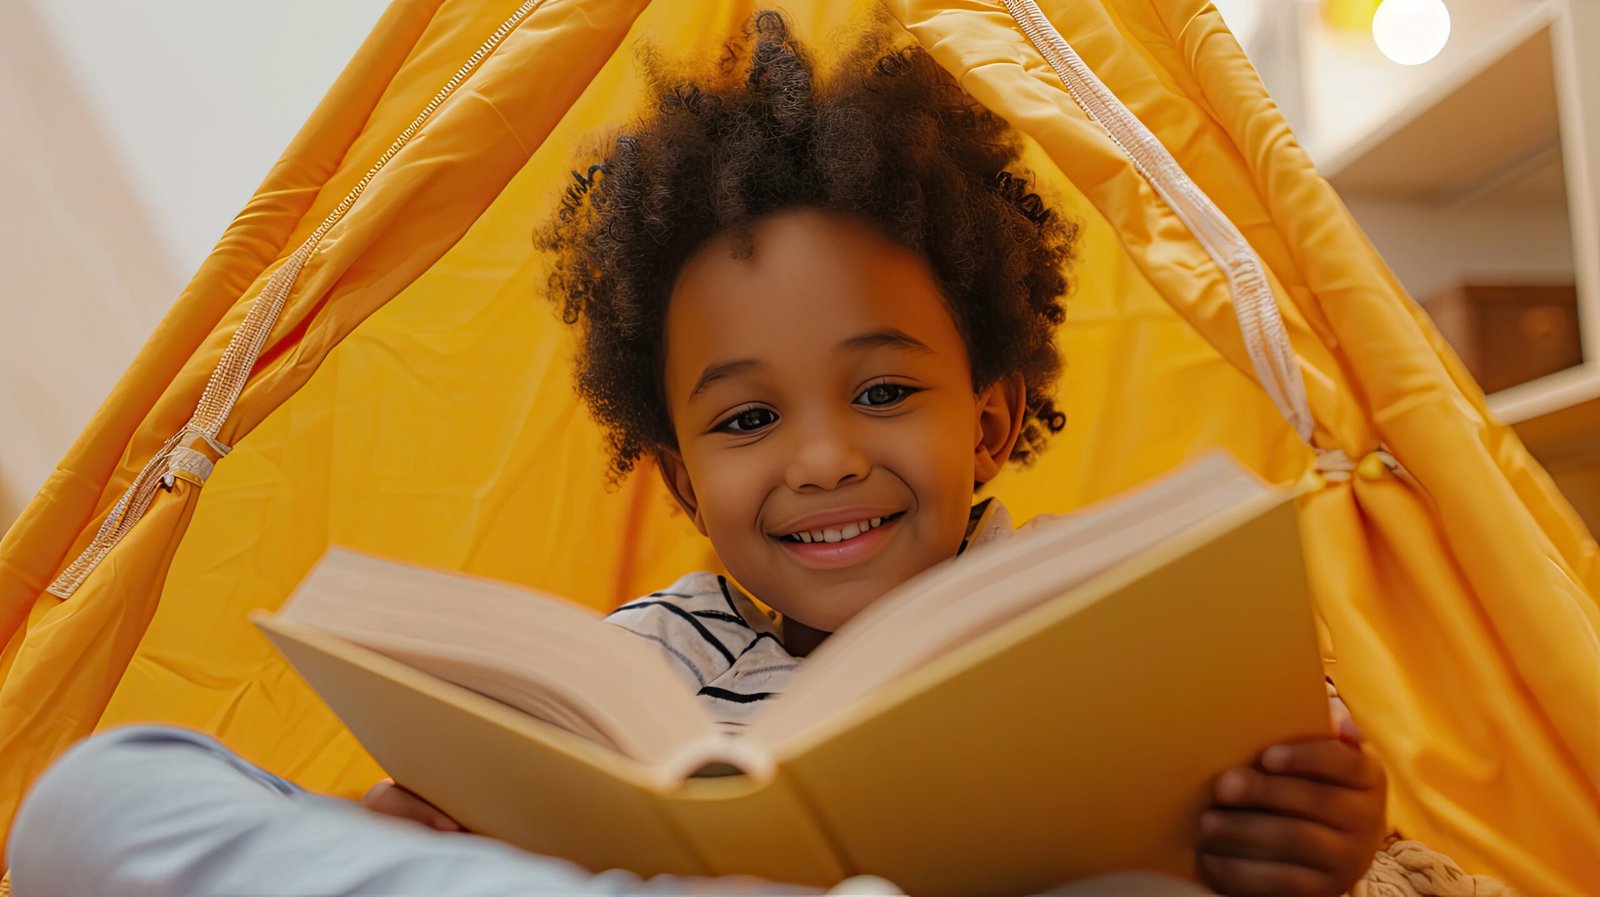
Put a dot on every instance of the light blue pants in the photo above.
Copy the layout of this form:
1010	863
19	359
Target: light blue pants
154	811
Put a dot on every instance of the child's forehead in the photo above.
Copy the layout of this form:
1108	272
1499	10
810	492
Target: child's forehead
820	263
816	282
805	244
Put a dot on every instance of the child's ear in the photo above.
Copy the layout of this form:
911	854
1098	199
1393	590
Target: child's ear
676	476
1002	407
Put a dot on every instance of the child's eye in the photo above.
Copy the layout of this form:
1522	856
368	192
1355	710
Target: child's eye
748	420
880	394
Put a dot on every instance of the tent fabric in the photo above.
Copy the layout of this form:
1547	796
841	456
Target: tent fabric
412	399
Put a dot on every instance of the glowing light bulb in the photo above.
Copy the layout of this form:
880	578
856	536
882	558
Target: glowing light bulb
1411	32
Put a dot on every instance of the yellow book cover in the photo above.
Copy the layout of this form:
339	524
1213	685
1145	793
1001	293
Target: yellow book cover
1046	709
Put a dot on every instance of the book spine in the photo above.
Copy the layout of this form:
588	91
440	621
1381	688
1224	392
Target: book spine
767	829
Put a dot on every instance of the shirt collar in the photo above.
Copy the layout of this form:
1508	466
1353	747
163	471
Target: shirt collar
988	521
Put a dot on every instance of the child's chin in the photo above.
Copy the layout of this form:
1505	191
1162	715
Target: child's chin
846	607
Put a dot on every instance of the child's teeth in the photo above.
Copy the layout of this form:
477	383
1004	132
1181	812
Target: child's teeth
842	534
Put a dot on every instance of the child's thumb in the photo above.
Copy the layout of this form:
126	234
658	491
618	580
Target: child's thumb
1343	723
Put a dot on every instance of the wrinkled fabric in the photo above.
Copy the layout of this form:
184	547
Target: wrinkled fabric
414	401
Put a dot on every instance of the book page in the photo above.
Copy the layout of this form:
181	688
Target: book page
494	769
960	599
549	658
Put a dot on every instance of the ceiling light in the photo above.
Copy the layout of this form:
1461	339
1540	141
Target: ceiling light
1411	32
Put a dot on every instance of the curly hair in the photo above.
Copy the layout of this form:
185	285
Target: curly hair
889	138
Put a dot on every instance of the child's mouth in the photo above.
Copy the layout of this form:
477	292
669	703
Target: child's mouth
842	545
843	532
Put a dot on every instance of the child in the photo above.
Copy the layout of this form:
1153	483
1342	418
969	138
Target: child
827	311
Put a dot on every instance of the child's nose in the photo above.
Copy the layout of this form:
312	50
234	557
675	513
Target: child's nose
825	459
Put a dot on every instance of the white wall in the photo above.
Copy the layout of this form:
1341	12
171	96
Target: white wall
1433	249
130	135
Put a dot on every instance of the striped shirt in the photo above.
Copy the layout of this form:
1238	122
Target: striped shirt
723	645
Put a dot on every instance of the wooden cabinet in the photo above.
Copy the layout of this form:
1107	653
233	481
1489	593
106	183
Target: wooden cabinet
1508	334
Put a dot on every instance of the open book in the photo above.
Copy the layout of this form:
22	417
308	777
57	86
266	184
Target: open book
1037	710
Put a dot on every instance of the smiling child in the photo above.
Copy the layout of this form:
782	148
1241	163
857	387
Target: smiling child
825	309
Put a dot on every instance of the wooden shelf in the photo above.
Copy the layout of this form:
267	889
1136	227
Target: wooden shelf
1484	127
1541	182
1557	417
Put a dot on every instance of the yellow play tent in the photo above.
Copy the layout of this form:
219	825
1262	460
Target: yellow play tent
368	348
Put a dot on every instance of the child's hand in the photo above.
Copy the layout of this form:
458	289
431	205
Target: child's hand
1305	821
392	800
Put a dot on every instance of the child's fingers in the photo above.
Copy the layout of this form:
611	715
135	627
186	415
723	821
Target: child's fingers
1326	760
392	800
1330	805
378	789
1240	833
1344	725
1245	877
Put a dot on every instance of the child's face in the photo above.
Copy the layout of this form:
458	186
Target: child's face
817	387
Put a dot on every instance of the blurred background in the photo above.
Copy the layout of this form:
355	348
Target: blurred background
1463	134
